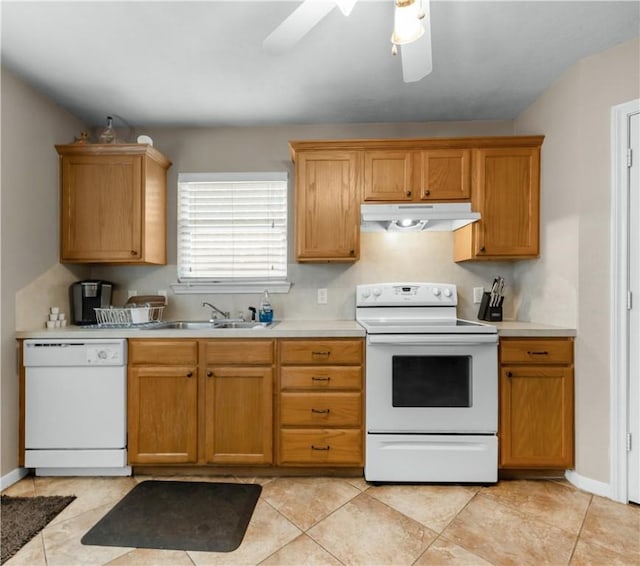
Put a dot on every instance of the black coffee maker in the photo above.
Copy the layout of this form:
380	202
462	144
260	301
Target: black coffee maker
85	296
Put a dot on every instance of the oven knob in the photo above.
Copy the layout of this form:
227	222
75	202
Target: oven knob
377	292
447	292
436	291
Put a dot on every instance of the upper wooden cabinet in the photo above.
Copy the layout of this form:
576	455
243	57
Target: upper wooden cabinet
113	204
414	176
327	206
506	193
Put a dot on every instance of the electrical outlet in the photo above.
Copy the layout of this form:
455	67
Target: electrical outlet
322	296
477	294
131	293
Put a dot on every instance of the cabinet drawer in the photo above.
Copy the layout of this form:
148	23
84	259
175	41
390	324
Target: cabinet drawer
321	409
325	352
321	378
237	352
336	447
543	351
163	352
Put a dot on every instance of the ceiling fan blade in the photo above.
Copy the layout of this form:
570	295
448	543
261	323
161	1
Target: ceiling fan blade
417	62
297	25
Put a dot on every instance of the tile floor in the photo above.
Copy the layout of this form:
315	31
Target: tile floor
333	521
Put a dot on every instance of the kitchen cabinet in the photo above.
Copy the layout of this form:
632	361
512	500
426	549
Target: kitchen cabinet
162	402
238	402
536	425
113	204
327	206
200	401
506	193
320	403
417	176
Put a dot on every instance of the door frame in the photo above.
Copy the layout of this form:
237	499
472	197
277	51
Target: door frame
619	347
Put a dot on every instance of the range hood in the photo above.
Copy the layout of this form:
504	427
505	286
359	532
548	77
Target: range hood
443	217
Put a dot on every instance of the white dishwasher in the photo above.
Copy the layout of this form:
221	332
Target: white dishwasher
76	406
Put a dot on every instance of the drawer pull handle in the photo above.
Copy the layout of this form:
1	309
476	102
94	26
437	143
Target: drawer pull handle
209	373
538	353
313	447
323	411
320	378
322	353
190	374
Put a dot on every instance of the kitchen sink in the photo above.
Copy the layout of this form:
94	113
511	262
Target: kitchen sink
216	325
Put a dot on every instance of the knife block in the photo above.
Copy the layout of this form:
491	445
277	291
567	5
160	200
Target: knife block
489	313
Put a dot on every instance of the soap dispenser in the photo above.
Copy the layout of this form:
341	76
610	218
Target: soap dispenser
265	313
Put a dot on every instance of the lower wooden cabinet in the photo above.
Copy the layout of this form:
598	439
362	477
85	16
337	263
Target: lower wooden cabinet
200	401
536	427
320	403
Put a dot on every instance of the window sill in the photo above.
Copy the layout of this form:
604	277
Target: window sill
226	288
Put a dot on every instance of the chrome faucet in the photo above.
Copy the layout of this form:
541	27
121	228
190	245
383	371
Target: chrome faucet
214	310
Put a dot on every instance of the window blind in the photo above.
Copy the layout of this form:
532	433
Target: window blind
232	227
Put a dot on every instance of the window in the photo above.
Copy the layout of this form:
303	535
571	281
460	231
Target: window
232	232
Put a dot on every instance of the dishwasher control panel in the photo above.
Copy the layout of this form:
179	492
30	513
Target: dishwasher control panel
103	355
72	353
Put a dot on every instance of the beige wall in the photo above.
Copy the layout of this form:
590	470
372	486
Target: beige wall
31	125
570	283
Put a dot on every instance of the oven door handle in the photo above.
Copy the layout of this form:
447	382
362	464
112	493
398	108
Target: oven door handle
432	339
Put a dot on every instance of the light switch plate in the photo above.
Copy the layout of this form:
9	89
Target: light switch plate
322	296
477	294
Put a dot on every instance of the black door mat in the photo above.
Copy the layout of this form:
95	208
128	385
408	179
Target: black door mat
24	517
174	515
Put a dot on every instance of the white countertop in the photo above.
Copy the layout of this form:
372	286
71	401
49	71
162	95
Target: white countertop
515	328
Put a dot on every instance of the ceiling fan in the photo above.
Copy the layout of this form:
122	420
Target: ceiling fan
411	31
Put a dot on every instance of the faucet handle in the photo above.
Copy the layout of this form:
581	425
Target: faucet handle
253	312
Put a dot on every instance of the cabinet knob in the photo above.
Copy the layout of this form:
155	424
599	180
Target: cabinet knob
408	193
482	249
509	374
134	252
352	252
189	374
427	193
209	373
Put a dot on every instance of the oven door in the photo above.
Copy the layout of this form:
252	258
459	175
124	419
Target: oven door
431	383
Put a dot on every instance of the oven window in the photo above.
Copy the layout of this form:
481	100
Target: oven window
431	381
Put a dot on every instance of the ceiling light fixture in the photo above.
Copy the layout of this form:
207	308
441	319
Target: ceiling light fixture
346	6
407	26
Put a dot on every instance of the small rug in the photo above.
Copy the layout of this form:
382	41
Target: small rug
174	515
22	518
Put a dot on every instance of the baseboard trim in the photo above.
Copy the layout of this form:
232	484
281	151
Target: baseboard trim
12	477
587	484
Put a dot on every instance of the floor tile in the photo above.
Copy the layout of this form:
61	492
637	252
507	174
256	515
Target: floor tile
31	554
366	531
63	547
548	501
302	551
268	531
434	506
613	525
90	492
305	501
360	483
152	557
444	553
23	488
588	554
503	535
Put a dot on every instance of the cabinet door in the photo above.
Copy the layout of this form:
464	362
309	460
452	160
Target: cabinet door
536	417
444	175
388	175
505	192
327	206
238	415
101	208
163	415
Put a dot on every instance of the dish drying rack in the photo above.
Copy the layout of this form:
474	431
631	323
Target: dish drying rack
133	314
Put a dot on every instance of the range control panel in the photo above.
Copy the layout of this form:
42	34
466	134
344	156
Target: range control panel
407	294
